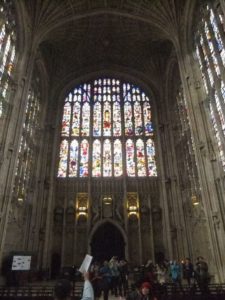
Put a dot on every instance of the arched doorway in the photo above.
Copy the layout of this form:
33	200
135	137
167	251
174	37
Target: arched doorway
106	242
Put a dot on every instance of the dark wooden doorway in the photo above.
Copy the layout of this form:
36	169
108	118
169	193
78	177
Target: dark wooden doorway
107	241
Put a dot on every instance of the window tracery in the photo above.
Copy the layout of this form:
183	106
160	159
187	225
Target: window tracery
8	53
29	142
115	119
210	52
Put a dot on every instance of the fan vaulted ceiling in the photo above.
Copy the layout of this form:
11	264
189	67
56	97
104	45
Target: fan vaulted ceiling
77	34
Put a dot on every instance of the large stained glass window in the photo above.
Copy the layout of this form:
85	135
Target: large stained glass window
107	131
28	151
7	53
210	51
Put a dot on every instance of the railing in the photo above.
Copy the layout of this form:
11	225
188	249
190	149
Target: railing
184	292
167	292
36	292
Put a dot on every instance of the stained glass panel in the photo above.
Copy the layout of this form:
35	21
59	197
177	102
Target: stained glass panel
147	119
84	158
85	120
76	119
128	119
97	119
107	159
63	159
73	158
150	149
66	119
130	162
107	119
138	119
141	165
116	119
118	165
96	159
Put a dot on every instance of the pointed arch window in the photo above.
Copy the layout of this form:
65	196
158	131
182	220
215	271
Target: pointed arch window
210	52
29	147
8	54
107	131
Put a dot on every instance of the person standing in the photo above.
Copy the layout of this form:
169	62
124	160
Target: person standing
88	292
202	275
188	270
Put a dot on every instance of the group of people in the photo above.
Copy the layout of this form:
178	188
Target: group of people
112	276
177	272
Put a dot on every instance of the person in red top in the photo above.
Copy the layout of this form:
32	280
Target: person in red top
143	293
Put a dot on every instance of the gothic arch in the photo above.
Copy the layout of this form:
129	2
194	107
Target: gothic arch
114	223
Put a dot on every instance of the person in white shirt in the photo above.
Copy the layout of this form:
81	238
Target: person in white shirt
88	292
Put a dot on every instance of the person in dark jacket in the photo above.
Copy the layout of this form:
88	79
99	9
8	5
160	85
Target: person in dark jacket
188	270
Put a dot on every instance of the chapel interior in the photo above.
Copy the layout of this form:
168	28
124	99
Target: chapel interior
112	131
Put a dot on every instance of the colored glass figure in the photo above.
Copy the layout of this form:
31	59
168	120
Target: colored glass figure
147	119
97	119
75	130
84	158
107	119
128	119
73	162
96	159
63	159
138	119
107	159
130	163
116	119
85	119
150	149
117	156
140	153
66	119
